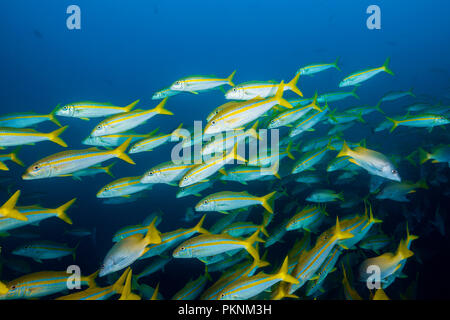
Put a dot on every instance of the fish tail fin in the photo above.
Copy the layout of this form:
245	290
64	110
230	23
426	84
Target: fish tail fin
61	211
91	279
108	169
314	103
288	151
9	208
207	275
263	230
293	85
386	66
267	201
126	292
279	96
233	155
74	251
410	158
423	156
155	293
52	117
153	235
54	136
15	158
410	237
373	220
341	235
230	78
120	285
360	118
129	107
252	131
274	169
175	131
284	275
119	152
248	243
335	64
403	250
160	108
394	123
354	93
3	166
377	107
199	226
411	93
345	150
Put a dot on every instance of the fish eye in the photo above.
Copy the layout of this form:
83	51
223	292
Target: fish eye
394	171
234	89
182	248
177	82
99	127
13	287
35	168
150	173
185	178
64	108
222	295
213	122
205	202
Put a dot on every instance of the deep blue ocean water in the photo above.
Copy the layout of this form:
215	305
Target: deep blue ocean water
127	50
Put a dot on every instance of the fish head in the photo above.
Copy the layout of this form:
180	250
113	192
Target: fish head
182	252
187	180
274	123
391	173
37	171
20	251
66	110
92	141
235	93
178	85
99	130
105	192
205	205
214	126
442	120
152	176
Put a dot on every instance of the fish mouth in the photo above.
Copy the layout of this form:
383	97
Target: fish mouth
26	176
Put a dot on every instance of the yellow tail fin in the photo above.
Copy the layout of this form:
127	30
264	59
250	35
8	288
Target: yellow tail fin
119	152
61	211
403	252
279	96
160	108
341	235
52	118
91	279
199	227
288	151
54	136
233	155
107	169
155	293
248	243
252	131
3	167
153	235
230	78
129	107
283	273
118	286
126	291
9	208
345	151
274	169
293	85
267	201
394	124
13	157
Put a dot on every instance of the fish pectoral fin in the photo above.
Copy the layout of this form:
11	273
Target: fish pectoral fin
224	212
85	119
37	260
193	92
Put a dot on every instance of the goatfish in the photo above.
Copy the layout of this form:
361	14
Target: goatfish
244	173
44	250
388	263
18	136
91	171
35	214
307	217
223	107
375	242
374	162
212	244
193	288
173	238
114	140
310	261
166	172
438	154
237	116
99	293
364	75
398	191
228	200
248	287
194	84
123	187
263	159
164	93
89	109
41	284
287	117
324	195
419	121
228	139
9	209
151	142
260	89
26	119
194	189
67	162
157	264
318	67
337	96
395	95
310	159
128	250
203	171
242	228
129	120
308	121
